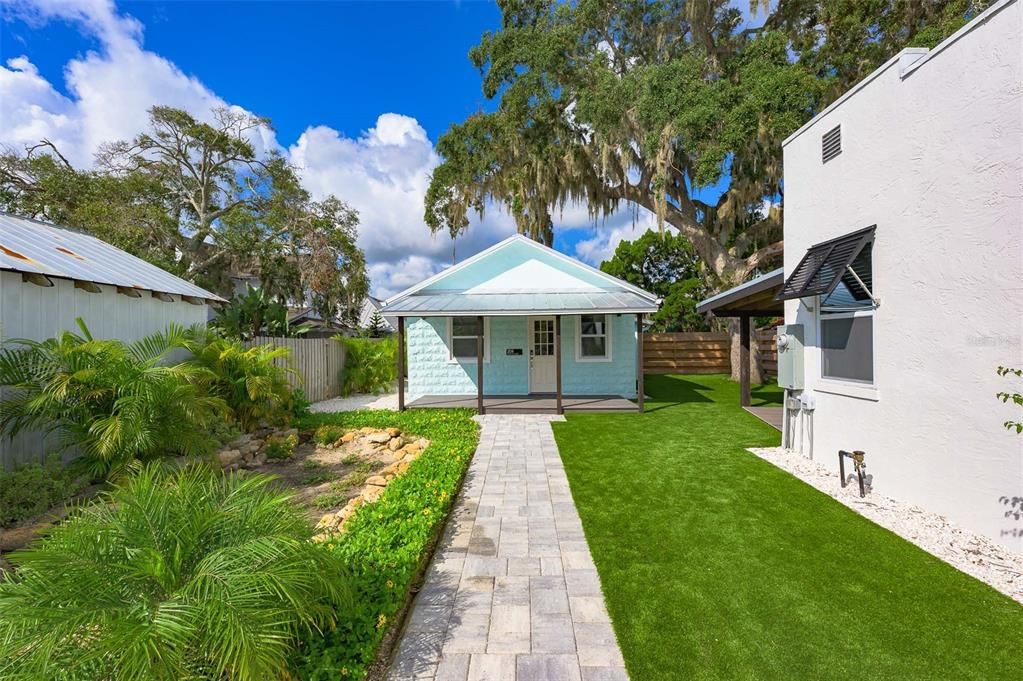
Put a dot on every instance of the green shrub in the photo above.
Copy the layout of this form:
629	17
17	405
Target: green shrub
116	401
300	404
386	543
279	448
173	575
33	489
328	434
248	379
370	365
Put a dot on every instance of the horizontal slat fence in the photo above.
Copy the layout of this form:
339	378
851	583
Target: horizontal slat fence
686	353
767	351
316	361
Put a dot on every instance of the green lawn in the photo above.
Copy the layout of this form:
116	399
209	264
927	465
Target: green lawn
716	564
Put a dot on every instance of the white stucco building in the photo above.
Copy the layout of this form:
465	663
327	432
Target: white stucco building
921	167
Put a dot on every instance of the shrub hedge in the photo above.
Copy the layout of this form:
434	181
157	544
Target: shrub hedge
31	489
371	365
385	544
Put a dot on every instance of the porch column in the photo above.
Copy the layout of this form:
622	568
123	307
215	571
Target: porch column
744	335
639	360
557	362
479	366
401	364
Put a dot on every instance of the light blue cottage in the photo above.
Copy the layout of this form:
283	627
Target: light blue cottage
552	333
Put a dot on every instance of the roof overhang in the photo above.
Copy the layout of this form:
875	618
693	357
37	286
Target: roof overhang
756	297
824	265
514	304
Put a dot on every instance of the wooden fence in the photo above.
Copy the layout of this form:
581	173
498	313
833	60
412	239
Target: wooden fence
686	353
767	351
316	361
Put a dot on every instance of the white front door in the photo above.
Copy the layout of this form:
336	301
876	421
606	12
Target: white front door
542	371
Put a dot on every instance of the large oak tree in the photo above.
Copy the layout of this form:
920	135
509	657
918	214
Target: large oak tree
615	102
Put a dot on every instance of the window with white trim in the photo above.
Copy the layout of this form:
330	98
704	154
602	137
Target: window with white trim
463	332
594	342
847	324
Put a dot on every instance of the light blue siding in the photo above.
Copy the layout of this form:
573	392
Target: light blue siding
431	372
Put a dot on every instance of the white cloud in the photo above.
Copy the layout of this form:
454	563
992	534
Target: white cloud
624	226
384	172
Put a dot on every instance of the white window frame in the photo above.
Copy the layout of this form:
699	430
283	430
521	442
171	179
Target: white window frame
841	386
608	334
451	342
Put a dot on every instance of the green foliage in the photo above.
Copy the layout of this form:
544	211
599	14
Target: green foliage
249	380
32	489
116	401
664	264
386	543
1014	397
371	366
173	575
255	313
376	325
648	102
279	448
300	404
192	195
328	434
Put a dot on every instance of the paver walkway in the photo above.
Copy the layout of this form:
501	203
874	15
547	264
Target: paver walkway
512	593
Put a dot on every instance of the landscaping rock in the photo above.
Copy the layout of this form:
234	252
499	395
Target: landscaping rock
228	456
372	492
376	480
395	444
349	436
378	438
394	432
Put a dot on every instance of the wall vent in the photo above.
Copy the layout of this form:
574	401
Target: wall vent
831	144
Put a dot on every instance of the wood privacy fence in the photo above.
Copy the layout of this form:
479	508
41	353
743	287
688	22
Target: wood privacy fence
686	353
767	351
705	353
317	363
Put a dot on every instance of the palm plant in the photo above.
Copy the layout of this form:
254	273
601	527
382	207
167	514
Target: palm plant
370	365
251	380
186	574
116	401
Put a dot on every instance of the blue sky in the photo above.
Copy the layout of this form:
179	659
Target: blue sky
358	94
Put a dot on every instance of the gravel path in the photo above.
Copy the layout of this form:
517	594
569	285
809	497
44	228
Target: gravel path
972	553
356	402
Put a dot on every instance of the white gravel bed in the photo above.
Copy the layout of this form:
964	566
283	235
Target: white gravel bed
357	402
972	553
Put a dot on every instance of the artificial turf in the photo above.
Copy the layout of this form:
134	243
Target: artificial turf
716	564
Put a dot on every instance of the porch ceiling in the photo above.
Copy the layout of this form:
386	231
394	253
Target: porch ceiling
512	304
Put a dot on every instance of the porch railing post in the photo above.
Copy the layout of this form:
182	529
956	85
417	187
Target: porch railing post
557	362
401	364
639	360
479	367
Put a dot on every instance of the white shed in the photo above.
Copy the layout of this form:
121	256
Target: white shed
51	275
904	268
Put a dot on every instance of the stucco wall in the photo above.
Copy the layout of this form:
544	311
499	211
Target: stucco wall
934	158
431	372
37	313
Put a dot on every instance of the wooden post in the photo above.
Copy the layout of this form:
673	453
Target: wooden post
639	360
401	364
557	362
744	339
479	367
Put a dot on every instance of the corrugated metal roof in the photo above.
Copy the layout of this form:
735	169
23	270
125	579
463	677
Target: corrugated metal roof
496	304
753	286
42	248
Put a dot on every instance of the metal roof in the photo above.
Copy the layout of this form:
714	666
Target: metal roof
824	265
36	247
506	304
756	295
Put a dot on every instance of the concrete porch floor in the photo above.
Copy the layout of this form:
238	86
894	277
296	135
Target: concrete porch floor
526	404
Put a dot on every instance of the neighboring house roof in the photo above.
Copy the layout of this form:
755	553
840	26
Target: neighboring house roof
520	276
756	296
35	247
371	305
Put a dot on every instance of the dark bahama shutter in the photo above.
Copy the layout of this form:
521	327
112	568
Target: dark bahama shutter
824	265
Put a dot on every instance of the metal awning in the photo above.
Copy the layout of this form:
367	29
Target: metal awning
756	297
825	264
511	304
